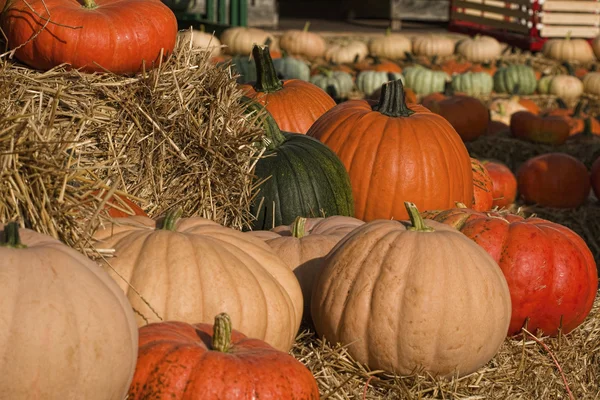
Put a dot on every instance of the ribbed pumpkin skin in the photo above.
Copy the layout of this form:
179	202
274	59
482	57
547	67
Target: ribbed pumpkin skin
342	83
177	362
473	83
506	78
504	183
390	160
549	269
369	81
308	180
425	81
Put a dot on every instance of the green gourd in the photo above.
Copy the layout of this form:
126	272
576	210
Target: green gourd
292	68
338	84
473	83
424	81
506	78
370	81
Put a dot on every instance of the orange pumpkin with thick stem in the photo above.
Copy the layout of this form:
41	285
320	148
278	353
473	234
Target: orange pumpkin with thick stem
554	180
595	177
396	152
120	36
483	187
504	183
293	103
549	130
181	361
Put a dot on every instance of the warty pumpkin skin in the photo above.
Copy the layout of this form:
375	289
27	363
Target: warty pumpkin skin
294	104
395	153
406	295
191	269
549	269
67	330
180	361
117	35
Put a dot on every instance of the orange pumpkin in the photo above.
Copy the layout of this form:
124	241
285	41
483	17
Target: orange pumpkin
489	69
595	177
483	187
504	183
378	65
293	103
550	130
396	152
120	206
496	128
575	117
554	180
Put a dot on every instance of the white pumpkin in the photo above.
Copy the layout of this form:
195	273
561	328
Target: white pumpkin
433	45
392	45
303	43
347	53
479	49
240	40
198	39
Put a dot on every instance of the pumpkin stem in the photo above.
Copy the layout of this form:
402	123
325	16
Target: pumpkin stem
306	26
448	89
569	68
392	102
587	128
89	4
171	219
11	236
267	80
416	219
578	109
299	227
561	103
221	340
273	137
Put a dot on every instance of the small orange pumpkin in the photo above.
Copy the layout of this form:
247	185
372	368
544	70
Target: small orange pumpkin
504	183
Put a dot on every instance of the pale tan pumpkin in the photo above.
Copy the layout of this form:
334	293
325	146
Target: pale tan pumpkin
479	49
240	40
502	109
66	331
567	87
334	225
591	83
346	53
568	49
303	43
403	297
198	39
596	46
194	269
391	45
433	45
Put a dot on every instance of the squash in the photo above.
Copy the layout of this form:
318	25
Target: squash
483	187
199	39
294	104
409	295
392	46
550	271
241	40
591	83
425	81
479	49
595	177
432	45
181	361
501	110
297	176
506	78
552	130
191	269
396	152
504	183
113	35
554	180
292	68
337	84
67	329
568	49
473	83
302	43
370	81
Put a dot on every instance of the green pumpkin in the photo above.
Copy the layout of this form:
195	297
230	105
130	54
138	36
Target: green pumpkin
292	68
424	81
370	81
297	176
245	67
543	85
506	78
473	83
338	84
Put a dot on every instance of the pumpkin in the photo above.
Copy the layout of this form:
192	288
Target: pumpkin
543	84
118	206
334	225
346	53
501	110
554	180
529	104
568	49
452	66
483	187
303	43
595	177
337	84
294	104
241	40
191	269
496	128
199	39
245	68
120	36
67	329
292	68
466	114
409	95
596	46
473	83
574	117
591	83
488	68
378	65
586	136
432	45
567	87
181	361
405	153
393	46
550	271
504	183
425	81
534	128
506	78
370	81
297	176
410	295
479	49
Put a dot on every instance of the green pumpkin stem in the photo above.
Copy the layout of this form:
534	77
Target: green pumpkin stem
11	237
267	80
578	109
306	26
448	89
587	128
170	220
569	68
89	4
561	103
221	340
416	219
392	102
299	227
273	137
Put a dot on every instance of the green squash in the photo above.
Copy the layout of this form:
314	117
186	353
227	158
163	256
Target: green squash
425	81
292	68
473	83
370	81
297	176
506	78
338	84
245	67
543	85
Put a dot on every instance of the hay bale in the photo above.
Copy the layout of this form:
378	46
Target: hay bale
527	368
173	137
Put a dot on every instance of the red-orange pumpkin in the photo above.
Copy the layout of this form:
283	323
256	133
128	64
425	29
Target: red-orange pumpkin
575	117
179	361
293	103
554	180
534	128
595	177
483	187
396	153
115	35
120	206
550	271
504	191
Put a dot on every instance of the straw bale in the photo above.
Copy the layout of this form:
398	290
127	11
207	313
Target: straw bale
172	137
